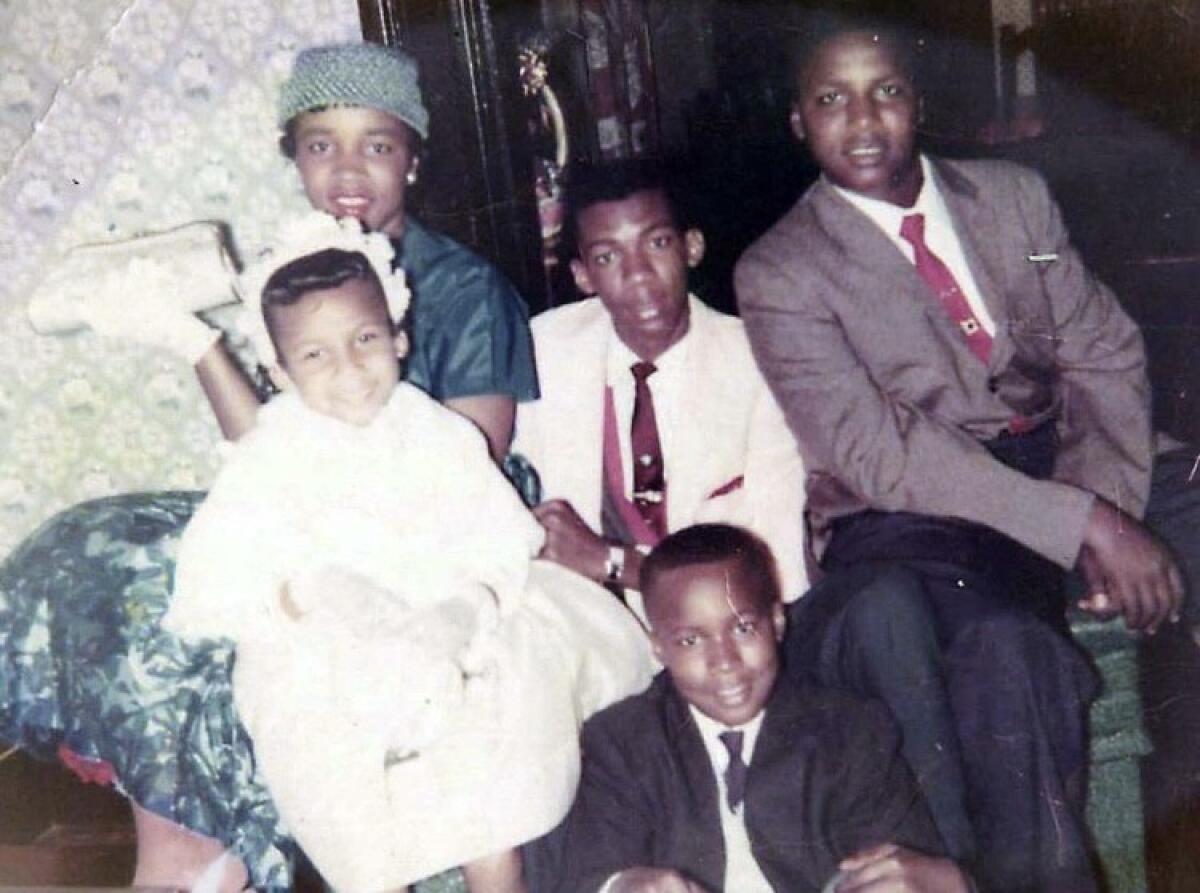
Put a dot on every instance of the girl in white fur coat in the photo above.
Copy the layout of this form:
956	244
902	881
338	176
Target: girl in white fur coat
412	681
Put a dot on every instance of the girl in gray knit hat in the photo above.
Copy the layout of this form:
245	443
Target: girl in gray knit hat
354	121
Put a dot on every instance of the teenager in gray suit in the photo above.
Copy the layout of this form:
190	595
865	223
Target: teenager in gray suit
972	407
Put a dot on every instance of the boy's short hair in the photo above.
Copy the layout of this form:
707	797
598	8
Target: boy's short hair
592	182
825	24
703	544
366	75
316	272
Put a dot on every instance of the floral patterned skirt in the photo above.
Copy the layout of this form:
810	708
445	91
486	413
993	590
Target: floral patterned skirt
85	666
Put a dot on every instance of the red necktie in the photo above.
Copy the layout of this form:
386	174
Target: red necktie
649	484
941	281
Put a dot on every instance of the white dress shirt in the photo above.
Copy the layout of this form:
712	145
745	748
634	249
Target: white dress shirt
742	874
939	236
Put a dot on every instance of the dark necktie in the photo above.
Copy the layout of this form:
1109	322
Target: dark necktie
649	484
941	281
735	772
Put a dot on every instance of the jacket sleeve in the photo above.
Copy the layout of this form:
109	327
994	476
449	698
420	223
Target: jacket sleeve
610	826
1106	437
889	452
476	341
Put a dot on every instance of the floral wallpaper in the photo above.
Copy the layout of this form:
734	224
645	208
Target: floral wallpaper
116	117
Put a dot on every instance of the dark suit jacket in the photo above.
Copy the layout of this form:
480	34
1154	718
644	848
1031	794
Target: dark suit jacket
887	401
825	779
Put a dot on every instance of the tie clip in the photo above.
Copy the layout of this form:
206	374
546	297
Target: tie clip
654	496
1047	258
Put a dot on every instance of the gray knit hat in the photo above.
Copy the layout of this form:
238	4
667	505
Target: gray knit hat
355	74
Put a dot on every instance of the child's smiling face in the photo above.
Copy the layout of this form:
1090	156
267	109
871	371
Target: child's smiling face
355	162
337	349
717	638
857	108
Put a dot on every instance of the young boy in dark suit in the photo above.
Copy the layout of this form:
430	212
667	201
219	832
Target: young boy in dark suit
972	407
724	775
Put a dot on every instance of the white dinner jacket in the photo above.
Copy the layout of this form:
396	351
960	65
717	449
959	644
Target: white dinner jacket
734	428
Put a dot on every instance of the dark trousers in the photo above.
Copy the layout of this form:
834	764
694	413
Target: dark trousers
962	633
973	657
991	702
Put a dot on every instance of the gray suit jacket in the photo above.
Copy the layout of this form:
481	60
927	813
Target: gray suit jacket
887	401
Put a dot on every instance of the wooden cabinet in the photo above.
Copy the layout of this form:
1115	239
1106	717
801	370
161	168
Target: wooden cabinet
476	180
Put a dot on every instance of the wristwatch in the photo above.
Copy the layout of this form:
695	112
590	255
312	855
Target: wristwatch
614	564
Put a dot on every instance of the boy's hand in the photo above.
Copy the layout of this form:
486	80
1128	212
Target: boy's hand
569	541
890	868
1127	571
652	880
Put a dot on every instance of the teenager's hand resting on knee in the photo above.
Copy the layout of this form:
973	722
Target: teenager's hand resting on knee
890	868
571	543
1128	571
651	880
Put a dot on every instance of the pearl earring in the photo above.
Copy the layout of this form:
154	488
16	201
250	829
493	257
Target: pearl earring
411	178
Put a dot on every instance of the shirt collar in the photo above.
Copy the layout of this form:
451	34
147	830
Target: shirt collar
621	358
887	216
710	731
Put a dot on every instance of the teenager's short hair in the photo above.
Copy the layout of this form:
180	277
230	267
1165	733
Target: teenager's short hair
824	24
591	182
316	272
703	544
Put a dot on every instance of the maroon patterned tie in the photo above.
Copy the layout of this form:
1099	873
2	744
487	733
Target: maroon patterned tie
941	281
649	483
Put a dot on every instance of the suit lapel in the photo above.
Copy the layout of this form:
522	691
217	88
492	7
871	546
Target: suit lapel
777	737
580	388
863	245
871	255
701	838
692	448
873	273
788	793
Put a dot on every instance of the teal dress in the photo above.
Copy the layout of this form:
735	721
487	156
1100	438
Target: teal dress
469	327
84	663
